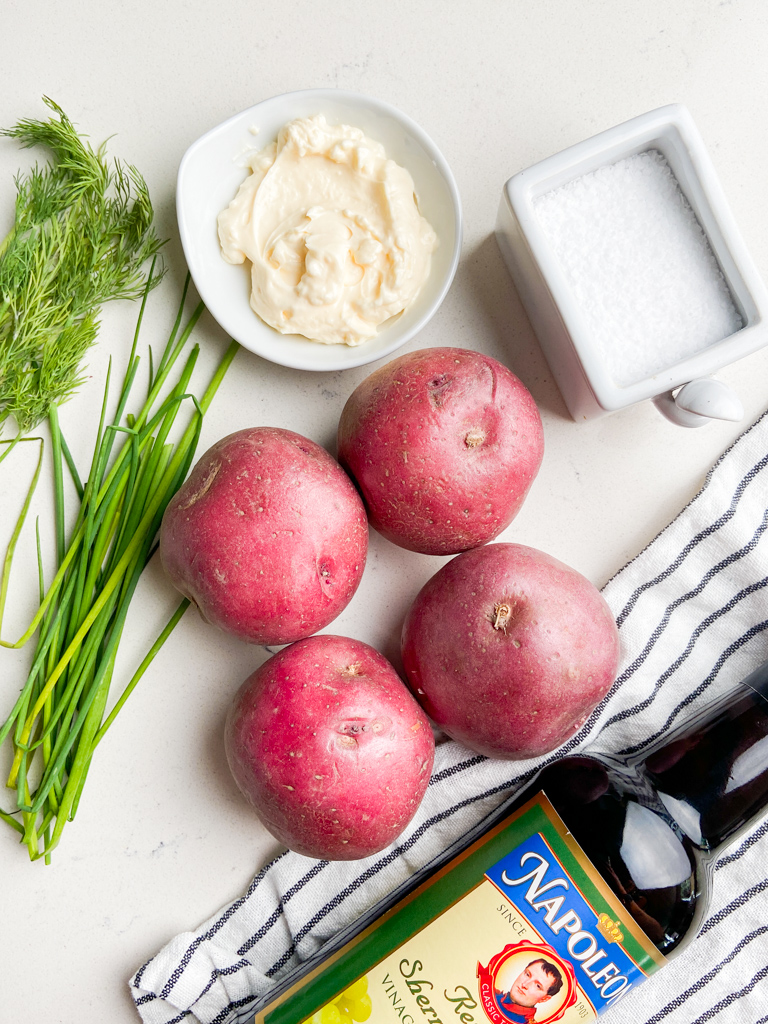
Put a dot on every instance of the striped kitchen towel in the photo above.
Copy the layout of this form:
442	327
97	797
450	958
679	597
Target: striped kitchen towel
692	611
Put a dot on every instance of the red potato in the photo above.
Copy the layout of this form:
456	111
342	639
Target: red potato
444	444
330	748
268	536
509	650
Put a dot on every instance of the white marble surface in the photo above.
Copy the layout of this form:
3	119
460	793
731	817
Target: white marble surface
162	837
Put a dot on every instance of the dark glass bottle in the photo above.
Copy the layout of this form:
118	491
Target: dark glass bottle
653	826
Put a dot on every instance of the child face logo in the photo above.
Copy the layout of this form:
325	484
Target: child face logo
526	984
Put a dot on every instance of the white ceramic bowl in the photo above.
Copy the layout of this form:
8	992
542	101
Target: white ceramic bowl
211	172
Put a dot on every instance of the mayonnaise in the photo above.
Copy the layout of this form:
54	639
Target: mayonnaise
333	233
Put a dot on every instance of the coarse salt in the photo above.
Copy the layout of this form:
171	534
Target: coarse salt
639	265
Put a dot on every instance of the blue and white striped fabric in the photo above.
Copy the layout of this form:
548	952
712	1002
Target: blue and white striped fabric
693	613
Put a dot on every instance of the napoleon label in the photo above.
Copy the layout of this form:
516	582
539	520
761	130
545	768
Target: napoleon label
518	929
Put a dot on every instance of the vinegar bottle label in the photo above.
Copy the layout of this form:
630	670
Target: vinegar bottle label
519	928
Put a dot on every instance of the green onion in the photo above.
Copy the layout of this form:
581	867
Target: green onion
60	715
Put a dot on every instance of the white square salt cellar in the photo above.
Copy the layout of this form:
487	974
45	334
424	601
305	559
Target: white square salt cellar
633	272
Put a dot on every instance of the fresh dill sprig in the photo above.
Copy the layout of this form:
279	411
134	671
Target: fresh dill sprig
82	235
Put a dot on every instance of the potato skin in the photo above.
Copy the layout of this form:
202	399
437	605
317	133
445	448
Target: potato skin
444	444
509	650
268	536
330	748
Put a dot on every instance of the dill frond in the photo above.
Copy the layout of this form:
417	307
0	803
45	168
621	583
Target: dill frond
82	236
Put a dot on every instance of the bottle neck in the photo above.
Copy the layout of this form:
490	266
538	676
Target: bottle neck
712	773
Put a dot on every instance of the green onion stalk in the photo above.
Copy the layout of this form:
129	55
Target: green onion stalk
60	715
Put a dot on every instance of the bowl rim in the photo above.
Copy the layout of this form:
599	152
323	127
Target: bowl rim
290	358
